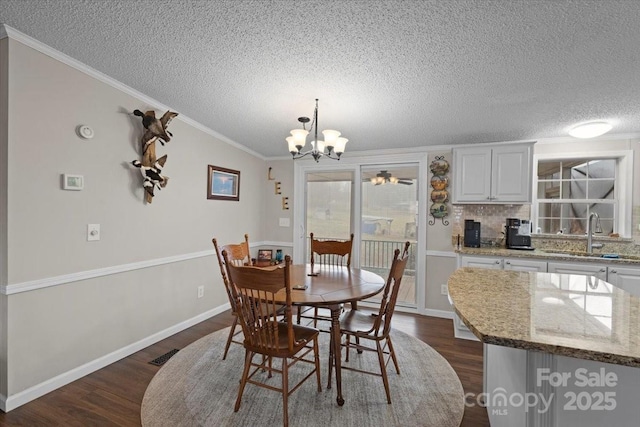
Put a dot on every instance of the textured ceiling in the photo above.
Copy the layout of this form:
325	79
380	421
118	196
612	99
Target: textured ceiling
388	73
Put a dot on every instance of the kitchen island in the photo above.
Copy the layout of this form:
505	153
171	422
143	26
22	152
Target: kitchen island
560	350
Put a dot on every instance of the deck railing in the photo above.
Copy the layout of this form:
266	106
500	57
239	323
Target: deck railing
376	255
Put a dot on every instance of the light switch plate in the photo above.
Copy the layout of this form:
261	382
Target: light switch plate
93	232
285	222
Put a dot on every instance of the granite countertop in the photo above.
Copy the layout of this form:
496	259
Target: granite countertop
568	315
550	254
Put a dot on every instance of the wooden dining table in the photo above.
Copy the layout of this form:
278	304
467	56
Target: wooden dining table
330	287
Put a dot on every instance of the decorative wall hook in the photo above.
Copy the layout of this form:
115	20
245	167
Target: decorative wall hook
269	177
285	203
277	185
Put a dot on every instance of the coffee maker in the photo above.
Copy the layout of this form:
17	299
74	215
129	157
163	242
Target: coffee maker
518	234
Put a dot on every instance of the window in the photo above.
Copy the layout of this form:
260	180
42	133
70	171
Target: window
569	190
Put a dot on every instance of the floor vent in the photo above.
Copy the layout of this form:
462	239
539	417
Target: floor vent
159	361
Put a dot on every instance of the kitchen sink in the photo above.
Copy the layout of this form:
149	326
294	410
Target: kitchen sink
588	255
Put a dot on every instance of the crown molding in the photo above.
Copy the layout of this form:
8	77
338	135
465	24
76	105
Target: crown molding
82	67
602	138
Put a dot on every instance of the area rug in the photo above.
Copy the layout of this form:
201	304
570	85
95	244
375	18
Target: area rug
197	388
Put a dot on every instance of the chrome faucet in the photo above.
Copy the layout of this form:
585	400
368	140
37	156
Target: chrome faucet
590	244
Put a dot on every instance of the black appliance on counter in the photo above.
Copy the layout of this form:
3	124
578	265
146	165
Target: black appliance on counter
518	234
471	234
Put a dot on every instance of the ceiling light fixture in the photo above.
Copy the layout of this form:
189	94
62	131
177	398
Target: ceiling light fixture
383	177
590	129
332	146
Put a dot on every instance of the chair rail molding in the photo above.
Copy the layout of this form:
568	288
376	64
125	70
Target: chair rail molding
32	285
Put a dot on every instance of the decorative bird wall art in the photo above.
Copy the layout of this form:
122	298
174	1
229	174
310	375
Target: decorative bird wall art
150	167
155	128
152	175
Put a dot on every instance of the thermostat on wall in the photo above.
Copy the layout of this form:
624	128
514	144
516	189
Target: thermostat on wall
85	132
72	182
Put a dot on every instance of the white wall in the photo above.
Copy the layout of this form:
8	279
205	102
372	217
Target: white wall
4	82
56	329
281	171
441	261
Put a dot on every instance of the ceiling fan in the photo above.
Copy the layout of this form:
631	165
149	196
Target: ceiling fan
384	176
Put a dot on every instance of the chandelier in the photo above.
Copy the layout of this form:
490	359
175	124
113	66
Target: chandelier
332	146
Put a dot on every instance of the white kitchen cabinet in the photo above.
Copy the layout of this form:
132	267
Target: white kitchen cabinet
519	264
584	269
493	174
625	278
515	264
481	262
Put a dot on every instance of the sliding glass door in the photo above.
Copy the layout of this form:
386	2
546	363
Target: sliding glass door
376	201
389	218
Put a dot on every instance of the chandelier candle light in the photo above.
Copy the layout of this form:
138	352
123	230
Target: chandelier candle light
332	146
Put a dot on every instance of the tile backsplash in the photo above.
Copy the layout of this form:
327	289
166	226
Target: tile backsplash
491	217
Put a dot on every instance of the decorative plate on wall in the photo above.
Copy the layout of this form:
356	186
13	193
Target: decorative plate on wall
439	166
439	182
439	196
439	210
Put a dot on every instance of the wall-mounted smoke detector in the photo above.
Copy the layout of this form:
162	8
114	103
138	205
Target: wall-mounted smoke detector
590	129
84	132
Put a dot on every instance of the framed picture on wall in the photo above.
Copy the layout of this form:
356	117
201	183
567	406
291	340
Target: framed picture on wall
223	184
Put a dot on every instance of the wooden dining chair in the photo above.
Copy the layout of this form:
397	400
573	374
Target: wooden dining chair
331	252
254	290
238	254
327	252
376	327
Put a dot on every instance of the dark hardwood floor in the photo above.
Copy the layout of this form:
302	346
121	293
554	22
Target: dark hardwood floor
112	395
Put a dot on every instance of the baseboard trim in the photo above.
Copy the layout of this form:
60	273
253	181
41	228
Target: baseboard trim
443	314
9	403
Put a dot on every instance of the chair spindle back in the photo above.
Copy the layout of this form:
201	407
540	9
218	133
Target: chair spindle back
254	290
390	292
331	252
237	254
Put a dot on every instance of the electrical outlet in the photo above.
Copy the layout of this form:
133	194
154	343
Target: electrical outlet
444	290
200	291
